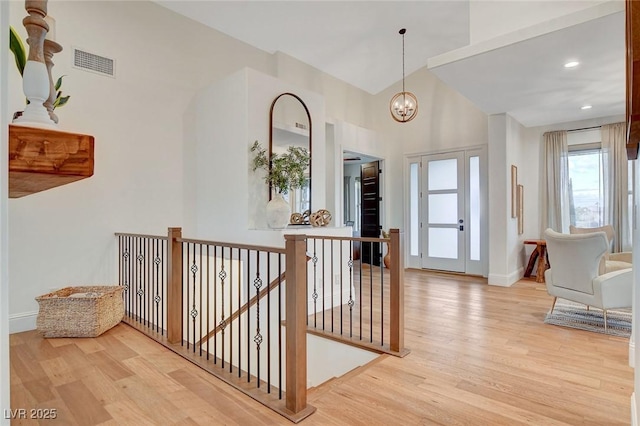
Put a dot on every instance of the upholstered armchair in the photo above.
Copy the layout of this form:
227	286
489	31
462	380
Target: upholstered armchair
574	273
611	261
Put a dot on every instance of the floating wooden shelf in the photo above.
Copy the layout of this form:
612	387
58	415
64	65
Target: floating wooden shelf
41	159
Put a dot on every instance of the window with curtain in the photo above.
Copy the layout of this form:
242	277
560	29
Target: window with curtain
586	181
586	186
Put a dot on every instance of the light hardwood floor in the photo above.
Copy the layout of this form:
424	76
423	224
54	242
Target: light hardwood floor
481	355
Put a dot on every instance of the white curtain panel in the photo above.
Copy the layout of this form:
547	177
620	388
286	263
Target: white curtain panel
616	184
555	182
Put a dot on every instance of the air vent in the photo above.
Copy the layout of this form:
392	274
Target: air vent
301	126
94	63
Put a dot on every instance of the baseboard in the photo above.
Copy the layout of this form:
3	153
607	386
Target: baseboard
22	322
634	411
505	280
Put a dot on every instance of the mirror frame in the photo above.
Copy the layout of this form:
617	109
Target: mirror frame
273	104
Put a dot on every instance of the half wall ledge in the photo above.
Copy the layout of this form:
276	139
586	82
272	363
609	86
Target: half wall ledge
41	159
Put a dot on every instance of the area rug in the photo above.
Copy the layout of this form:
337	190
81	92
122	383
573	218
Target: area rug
573	315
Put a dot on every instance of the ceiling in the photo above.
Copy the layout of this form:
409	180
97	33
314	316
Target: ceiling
358	42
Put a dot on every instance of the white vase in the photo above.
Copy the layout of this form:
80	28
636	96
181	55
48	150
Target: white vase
35	83
278	212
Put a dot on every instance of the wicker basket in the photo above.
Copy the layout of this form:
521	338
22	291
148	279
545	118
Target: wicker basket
80	311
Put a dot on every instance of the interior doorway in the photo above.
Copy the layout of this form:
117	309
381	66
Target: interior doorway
365	215
370	212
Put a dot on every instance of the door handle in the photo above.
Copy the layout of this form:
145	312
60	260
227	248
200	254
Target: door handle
461	227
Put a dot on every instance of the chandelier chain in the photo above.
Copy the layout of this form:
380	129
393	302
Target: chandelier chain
403	62
403	105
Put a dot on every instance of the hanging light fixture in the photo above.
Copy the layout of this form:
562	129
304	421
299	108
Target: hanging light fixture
404	105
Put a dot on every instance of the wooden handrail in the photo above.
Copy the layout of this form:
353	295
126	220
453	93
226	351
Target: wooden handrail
156	237
277	250
357	239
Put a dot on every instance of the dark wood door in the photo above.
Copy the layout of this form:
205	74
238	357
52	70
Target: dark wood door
370	211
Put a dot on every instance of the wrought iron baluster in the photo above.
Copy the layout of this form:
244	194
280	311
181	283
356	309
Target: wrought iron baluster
215	302
341	292
163	287
351	301
359	286
157	260
231	288
200	293
186	288
280	256
268	255
371	292
314	295
257	283
127	274
208	316
248	318
332	287
381	298
147	283
194	311
324	284
223	323
141	281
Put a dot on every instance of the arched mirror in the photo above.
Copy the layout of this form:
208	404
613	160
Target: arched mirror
290	125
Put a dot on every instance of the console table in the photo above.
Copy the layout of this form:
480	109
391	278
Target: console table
539	254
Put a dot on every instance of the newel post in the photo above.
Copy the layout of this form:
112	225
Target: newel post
174	286
296	322
397	291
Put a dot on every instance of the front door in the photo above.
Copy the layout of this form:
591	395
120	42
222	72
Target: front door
443	210
370	211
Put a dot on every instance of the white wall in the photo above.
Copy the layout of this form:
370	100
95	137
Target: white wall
65	236
230	198
634	360
499	211
446	121
505	244
343	101
489	19
352	171
516	155
4	240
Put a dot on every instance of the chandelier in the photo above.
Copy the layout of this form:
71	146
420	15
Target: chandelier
403	105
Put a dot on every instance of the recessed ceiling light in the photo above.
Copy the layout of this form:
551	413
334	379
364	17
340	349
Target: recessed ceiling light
571	64
585	107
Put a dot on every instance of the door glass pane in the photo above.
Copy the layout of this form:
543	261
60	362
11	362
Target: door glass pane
473	227
414	201
443	174
443	208
443	242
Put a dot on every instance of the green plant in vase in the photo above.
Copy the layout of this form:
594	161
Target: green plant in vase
20	55
284	172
